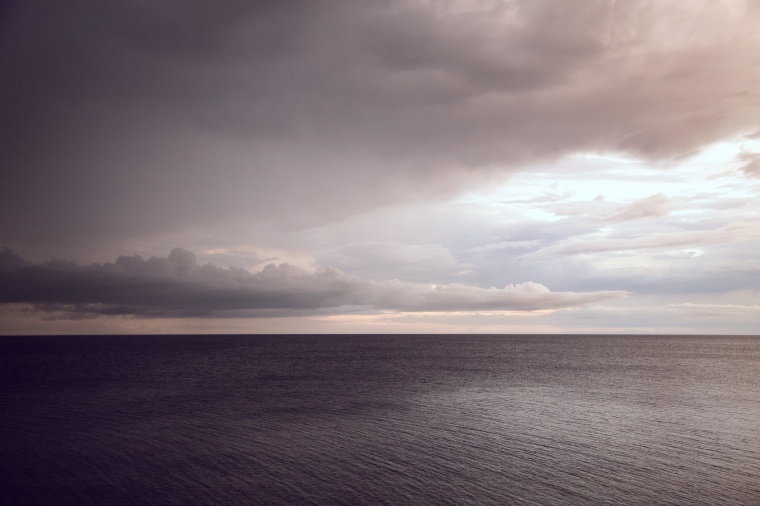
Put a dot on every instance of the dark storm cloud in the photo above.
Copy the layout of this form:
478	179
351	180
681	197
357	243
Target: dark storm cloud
127	118
172	285
178	286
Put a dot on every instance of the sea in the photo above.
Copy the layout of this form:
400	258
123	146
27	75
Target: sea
380	419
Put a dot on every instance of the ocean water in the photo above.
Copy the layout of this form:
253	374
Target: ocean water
548	420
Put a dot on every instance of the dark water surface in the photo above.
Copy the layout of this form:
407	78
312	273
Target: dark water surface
380	420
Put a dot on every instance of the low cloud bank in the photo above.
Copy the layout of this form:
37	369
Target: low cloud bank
176	286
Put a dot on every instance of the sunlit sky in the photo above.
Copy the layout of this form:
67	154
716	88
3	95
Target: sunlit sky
402	166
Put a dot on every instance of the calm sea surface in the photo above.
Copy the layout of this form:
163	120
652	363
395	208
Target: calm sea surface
234	420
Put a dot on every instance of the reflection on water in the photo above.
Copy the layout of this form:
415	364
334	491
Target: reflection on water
381	419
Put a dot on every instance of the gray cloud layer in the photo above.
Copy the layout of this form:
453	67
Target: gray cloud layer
127	118
178	286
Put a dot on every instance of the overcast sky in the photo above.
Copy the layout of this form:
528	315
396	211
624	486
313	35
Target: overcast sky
385	166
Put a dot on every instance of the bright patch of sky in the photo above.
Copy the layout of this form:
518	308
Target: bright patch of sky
549	191
605	220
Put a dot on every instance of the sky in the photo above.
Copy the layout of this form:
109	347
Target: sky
394	166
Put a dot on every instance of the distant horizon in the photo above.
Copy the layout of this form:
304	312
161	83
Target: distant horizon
526	334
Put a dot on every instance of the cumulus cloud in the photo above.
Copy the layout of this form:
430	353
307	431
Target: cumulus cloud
527	296
177	286
134	118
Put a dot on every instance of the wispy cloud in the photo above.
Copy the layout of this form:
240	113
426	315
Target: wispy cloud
750	164
650	207
655	241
